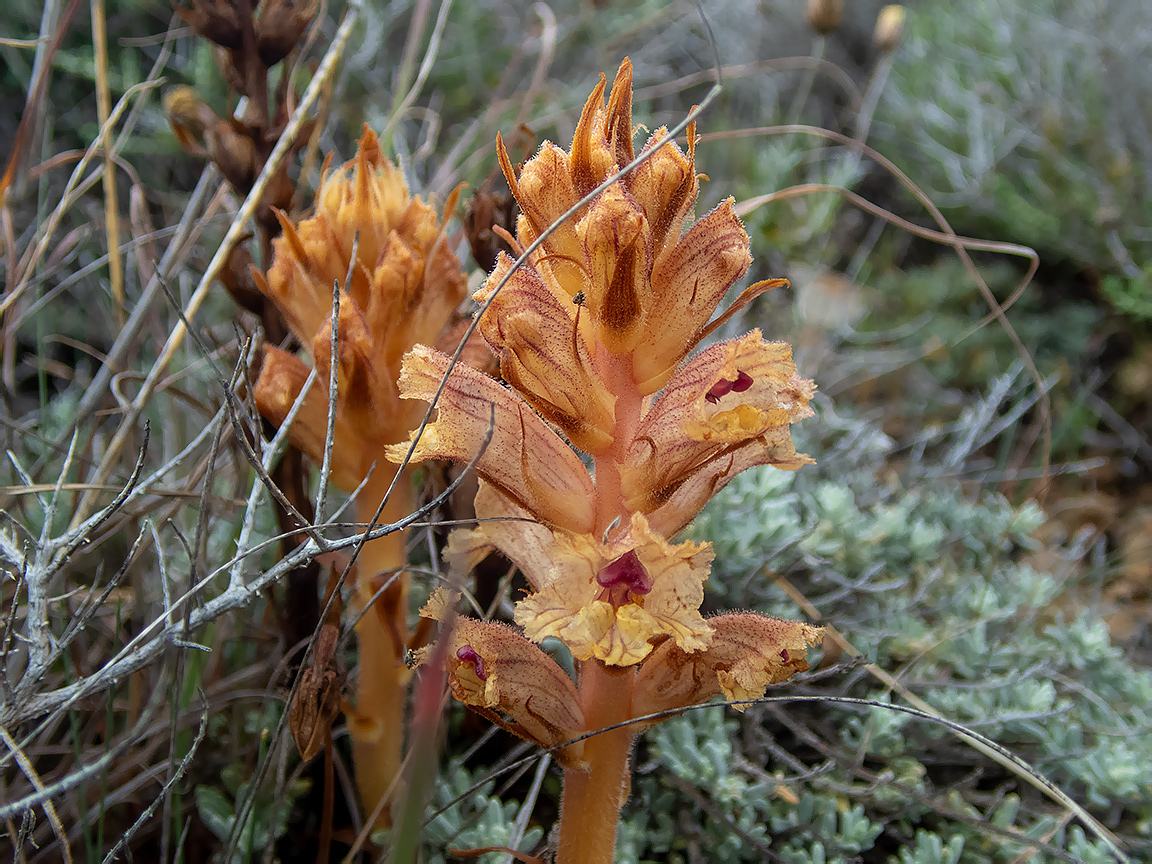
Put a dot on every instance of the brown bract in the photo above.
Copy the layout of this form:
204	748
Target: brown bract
405	288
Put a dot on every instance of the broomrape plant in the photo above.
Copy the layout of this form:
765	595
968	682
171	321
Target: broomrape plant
594	335
405	286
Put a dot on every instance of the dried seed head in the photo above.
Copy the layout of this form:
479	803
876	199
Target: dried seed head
220	21
281	25
824	15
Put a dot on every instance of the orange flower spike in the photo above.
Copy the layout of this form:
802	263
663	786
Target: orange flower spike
405	287
406	283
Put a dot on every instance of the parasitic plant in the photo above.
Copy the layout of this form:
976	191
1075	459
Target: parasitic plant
595	333
404	288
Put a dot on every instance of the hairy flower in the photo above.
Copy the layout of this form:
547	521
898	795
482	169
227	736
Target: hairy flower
727	410
501	675
601	318
405	287
747	653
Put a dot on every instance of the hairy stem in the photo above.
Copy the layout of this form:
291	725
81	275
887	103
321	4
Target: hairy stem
592	798
377	726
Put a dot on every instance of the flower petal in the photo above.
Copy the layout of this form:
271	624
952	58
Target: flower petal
577	608
507	528
687	284
525	459
725	411
501	675
748	652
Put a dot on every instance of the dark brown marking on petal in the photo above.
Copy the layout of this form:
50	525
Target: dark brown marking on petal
582	175
621	307
618	123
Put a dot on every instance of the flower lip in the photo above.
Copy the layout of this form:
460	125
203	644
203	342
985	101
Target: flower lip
723	388
468	654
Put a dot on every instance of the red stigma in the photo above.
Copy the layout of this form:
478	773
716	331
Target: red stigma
468	654
723	388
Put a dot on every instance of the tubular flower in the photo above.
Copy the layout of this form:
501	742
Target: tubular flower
501	675
747	653
406	285
727	410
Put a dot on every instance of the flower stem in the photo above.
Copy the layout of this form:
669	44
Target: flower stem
378	725
616	372
593	796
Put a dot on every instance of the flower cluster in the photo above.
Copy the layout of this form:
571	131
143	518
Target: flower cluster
405	287
595	334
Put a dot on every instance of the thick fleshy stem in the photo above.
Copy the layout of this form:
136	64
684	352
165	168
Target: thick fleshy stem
593	796
377	727
615	370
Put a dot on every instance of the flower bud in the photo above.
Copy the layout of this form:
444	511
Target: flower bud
889	28
824	15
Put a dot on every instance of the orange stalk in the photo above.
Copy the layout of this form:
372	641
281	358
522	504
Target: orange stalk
593	796
377	725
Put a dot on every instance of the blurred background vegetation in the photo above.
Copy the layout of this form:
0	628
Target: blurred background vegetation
979	524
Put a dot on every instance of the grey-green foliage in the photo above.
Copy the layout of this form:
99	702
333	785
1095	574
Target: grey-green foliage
699	750
1029	121
933	584
477	821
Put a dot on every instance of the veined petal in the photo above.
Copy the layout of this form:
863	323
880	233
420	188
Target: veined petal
748	652
616	246
665	186
507	528
576	605
544	356
282	377
725	411
687	284
525	459
501	675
